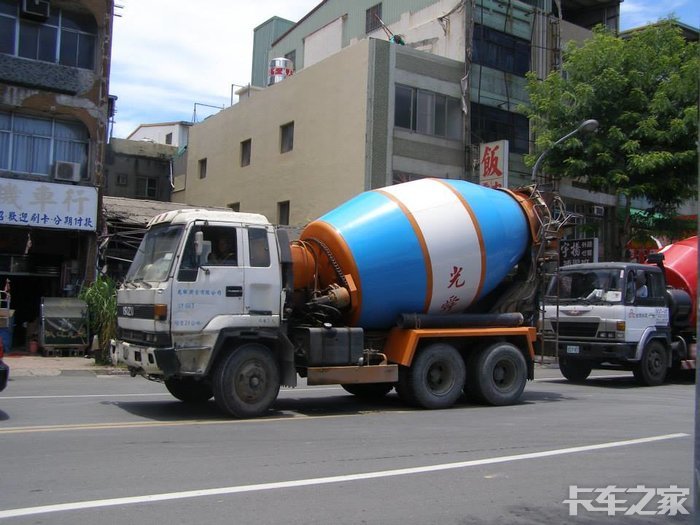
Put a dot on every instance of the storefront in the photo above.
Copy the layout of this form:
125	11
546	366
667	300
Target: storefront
47	246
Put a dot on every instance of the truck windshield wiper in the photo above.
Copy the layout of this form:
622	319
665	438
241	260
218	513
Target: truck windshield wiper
141	281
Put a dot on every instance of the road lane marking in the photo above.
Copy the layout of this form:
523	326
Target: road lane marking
151	498
181	423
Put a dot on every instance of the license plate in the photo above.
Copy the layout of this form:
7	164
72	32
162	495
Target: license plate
572	349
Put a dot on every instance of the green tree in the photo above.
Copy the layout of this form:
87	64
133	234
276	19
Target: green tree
643	90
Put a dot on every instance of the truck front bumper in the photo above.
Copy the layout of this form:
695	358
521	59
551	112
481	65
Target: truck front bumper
600	352
166	362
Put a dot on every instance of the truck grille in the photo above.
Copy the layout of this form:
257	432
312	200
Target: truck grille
575	329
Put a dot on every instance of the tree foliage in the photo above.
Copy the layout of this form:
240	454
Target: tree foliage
101	298
643	91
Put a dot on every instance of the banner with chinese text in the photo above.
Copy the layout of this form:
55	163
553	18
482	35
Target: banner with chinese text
47	205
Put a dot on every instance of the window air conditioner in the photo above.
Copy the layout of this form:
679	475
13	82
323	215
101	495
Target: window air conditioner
36	8
598	211
66	171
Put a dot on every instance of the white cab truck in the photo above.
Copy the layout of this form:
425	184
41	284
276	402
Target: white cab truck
619	315
428	287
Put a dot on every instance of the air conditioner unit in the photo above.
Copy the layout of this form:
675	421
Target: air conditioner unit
598	211
36	8
66	171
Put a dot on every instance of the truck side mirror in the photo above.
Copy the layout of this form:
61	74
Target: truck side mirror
198	243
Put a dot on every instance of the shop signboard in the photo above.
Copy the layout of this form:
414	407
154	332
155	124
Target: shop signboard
576	251
48	205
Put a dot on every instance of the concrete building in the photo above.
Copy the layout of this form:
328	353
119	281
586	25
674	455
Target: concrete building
139	170
169	133
54	113
360	113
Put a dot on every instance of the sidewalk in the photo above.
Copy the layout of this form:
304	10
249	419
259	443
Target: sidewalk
29	365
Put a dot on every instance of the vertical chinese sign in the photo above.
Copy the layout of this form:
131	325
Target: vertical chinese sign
47	205
493	164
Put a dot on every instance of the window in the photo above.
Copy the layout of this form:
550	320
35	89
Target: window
287	137
292	55
169	138
283	213
245	152
490	124
65	37
32	145
146	187
122	179
202	168
259	248
224	246
501	51
373	17
427	112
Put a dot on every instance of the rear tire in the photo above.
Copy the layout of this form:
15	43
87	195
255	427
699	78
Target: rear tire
652	369
435	379
189	390
369	391
573	370
500	374
247	381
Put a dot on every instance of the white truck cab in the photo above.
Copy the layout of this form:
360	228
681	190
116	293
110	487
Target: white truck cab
191	279
614	315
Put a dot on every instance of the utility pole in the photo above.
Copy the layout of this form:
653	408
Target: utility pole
469	7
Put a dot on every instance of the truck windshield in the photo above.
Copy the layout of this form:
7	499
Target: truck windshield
155	255
592	285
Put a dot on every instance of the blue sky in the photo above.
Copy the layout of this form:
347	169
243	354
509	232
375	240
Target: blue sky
168	55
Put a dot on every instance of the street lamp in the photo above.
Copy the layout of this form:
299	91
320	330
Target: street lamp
587	126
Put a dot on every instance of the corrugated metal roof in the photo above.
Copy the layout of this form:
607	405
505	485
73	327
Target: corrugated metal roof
137	212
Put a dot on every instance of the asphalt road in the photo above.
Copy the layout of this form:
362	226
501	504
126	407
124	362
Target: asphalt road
113	450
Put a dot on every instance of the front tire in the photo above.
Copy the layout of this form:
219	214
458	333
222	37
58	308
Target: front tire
189	390
652	369
573	370
435	379
499	374
246	381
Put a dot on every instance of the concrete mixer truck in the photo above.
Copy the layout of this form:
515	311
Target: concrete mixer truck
623	315
428	287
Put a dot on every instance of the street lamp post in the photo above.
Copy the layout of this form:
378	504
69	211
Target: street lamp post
587	126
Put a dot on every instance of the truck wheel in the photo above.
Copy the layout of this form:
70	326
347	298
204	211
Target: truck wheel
246	382
651	370
435	378
574	370
499	374
188	389
369	391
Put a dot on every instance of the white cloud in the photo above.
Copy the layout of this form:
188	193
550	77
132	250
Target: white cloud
169	54
636	13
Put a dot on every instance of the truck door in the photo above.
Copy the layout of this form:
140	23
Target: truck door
211	284
263	277
645	300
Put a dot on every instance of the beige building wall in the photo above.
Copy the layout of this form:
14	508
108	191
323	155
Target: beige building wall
328	105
